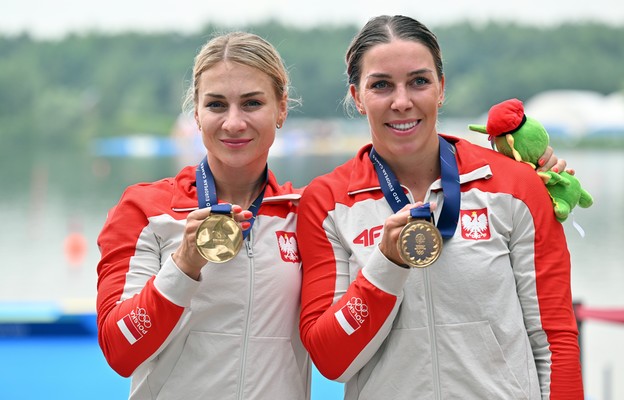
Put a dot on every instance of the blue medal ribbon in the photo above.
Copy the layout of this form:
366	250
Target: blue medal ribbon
393	192
207	194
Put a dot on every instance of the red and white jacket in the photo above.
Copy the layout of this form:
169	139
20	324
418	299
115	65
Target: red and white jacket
231	335
492	318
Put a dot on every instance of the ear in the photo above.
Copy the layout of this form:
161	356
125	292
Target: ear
356	98
282	111
196	116
441	96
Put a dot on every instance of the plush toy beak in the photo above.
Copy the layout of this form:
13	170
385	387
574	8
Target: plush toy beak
482	129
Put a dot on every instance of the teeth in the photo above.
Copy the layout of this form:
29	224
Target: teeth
403	127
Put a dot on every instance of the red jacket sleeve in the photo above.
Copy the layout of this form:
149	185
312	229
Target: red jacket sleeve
557	359
342	323
134	318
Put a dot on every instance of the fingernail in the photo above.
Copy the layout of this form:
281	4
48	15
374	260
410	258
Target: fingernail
541	162
555	169
245	225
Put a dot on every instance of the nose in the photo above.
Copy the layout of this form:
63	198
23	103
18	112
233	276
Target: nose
401	100
234	121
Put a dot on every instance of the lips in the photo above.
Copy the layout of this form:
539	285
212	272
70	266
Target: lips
235	142
403	126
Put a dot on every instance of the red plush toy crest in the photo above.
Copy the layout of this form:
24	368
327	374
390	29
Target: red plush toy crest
505	117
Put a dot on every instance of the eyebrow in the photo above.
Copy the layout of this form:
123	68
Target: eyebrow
244	96
412	73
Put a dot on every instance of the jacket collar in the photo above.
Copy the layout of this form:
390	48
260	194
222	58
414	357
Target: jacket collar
472	166
185	191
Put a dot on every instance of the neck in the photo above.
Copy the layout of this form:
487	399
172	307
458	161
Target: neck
239	186
416	171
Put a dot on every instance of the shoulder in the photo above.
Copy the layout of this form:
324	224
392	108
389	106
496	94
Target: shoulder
471	156
343	185
354	172
157	197
142	189
332	187
274	188
506	176
280	199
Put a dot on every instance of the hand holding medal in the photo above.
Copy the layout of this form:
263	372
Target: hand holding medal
420	242
188	257
219	237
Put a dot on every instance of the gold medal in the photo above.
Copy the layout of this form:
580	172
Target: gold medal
420	243
219	238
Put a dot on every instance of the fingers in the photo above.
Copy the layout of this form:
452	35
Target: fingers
392	230
242	216
560	166
186	256
549	161
238	214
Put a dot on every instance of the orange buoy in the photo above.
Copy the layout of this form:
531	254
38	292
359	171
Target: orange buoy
75	248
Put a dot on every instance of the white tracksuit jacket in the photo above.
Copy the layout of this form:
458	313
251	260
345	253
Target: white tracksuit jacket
491	319
231	335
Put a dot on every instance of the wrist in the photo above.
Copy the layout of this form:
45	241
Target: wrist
183	266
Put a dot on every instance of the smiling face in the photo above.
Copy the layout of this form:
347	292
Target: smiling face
400	92
237	111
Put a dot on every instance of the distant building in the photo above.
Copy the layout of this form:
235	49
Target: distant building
577	114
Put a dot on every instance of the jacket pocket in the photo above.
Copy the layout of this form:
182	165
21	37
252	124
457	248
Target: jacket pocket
208	367
276	369
473	365
400	370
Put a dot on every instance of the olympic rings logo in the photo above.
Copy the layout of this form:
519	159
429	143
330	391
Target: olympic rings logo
143	318
359	306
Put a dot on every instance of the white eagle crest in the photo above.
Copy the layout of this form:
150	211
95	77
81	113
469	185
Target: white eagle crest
475	225
288	247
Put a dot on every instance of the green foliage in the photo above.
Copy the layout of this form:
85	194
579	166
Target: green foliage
488	64
66	92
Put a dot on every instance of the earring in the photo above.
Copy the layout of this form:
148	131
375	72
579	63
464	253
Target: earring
362	111
440	103
278	125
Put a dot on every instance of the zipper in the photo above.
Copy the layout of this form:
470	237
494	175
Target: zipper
432	335
249	249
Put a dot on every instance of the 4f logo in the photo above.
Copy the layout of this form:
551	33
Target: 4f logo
368	236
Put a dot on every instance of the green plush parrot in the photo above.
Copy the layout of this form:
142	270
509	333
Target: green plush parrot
525	139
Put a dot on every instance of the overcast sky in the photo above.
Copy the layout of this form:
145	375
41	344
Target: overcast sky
55	18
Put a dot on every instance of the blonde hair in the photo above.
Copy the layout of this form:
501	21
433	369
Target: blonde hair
242	48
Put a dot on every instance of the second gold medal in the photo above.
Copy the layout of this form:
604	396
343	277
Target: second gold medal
420	243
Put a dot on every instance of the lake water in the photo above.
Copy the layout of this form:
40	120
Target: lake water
44	199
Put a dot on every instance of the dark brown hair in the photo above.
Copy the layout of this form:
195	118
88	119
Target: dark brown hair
383	29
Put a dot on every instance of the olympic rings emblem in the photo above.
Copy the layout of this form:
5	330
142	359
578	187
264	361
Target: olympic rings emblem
143	318
359	306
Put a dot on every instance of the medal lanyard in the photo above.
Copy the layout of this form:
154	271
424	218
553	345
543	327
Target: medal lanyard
393	192
207	194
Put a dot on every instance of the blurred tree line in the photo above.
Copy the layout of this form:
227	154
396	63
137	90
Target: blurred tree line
63	93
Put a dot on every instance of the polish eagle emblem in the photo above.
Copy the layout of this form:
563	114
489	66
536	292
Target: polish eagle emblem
474	224
287	242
